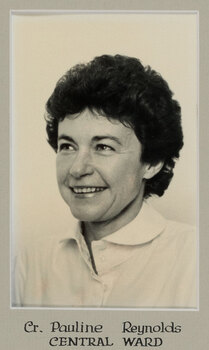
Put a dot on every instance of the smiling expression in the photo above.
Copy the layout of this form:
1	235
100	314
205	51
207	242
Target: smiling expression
99	172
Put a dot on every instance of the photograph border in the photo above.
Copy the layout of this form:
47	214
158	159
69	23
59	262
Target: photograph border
12	320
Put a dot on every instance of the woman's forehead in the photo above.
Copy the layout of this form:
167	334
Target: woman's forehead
87	125
93	123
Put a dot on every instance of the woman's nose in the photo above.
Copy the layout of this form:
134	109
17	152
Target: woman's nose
81	165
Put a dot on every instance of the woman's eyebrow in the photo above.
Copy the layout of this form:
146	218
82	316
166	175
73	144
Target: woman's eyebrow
66	137
110	137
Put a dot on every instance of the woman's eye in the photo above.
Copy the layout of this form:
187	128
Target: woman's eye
65	147
102	147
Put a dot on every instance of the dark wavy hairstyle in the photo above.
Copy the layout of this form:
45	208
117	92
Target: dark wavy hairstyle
120	87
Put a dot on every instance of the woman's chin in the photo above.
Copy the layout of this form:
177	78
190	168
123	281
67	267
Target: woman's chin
86	216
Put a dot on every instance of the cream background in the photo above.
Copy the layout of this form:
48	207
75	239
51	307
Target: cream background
44	47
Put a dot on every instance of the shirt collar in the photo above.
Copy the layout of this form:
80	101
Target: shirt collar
147	225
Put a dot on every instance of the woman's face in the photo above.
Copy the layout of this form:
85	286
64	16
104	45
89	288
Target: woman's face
99	172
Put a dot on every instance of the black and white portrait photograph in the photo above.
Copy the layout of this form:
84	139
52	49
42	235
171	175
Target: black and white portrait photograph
104	160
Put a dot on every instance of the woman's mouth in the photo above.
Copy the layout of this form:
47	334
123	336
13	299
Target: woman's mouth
86	190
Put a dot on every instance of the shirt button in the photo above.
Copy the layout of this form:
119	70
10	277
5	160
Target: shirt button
102	245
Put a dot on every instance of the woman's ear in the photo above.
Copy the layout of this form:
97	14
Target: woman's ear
152	170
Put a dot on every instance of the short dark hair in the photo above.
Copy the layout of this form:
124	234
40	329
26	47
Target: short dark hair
121	87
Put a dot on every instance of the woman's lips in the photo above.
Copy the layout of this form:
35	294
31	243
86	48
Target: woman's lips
87	189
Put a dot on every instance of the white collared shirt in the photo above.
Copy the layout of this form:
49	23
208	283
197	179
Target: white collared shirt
149	263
